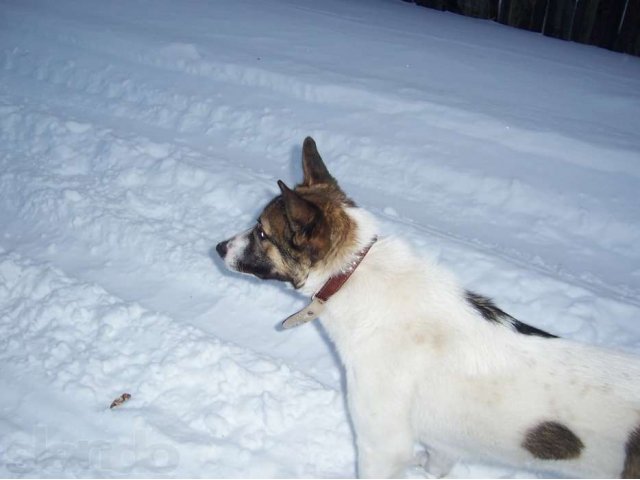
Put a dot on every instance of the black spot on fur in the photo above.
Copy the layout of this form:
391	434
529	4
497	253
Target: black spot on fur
632	459
485	306
529	330
552	441
492	313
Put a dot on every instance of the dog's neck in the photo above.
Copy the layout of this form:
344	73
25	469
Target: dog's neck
366	231
336	282
330	288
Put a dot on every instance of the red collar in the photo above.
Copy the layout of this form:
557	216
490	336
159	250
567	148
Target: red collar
336	282
328	290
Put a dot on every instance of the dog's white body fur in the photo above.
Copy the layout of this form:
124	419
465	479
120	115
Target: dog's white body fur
422	365
429	362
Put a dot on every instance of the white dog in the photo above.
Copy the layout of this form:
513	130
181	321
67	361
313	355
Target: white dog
427	361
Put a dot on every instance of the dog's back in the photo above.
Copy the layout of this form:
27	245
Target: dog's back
476	388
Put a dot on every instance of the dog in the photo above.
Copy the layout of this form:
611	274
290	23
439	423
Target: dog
428	362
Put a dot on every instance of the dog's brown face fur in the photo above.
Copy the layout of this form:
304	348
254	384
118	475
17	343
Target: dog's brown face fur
299	231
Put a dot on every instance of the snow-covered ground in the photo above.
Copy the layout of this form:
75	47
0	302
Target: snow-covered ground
136	134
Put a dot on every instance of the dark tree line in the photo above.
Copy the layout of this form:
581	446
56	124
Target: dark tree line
612	24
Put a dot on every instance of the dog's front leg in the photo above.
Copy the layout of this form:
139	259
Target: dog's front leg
383	434
384	455
436	463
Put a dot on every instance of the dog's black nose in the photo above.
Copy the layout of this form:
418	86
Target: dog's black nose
221	248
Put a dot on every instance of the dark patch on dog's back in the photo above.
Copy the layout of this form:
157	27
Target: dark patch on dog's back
485	306
552	441
529	330
492	313
632	459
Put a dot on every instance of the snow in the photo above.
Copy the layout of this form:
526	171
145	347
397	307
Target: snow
134	136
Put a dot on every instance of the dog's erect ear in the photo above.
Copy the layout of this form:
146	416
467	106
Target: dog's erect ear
315	171
302	215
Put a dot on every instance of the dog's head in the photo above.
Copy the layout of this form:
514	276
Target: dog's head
299	232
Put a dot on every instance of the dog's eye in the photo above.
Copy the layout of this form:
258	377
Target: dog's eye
261	234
